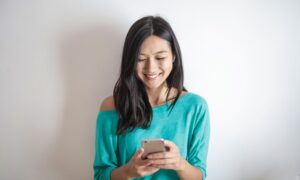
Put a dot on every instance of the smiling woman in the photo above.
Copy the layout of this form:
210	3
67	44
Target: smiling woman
150	102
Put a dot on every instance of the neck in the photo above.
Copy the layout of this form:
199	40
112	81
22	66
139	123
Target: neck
158	96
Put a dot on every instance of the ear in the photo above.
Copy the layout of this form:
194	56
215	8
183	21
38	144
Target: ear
174	57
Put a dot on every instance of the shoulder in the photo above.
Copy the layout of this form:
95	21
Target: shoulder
107	103
193	102
198	106
196	99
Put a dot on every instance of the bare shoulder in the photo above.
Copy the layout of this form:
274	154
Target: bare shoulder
108	103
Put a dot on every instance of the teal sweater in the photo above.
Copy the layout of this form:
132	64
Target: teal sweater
187	126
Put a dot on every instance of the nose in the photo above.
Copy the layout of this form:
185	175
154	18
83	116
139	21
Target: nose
151	65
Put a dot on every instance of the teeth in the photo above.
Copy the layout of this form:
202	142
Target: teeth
152	76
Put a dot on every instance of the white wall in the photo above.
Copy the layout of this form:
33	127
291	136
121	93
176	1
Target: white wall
59	59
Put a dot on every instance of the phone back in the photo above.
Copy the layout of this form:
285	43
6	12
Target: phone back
153	146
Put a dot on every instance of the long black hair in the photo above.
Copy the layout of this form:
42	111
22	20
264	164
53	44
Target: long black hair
130	96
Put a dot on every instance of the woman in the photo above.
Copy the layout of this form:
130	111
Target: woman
150	101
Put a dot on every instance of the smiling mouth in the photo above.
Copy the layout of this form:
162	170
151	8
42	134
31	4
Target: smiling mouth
151	77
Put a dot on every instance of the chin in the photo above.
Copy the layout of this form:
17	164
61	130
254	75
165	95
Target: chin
148	86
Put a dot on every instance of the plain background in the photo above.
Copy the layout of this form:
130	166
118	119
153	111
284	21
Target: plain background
59	59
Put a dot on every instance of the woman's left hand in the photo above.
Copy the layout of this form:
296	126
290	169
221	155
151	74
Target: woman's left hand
170	159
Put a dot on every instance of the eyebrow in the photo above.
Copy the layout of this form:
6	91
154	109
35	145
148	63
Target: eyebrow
158	52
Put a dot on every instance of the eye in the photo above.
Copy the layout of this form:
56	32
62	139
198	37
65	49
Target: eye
140	60
161	58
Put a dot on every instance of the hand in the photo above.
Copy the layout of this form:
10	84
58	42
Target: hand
137	167
168	160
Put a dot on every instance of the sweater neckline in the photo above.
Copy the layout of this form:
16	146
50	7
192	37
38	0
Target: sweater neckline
155	108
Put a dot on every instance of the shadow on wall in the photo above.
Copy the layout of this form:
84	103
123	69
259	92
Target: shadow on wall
90	61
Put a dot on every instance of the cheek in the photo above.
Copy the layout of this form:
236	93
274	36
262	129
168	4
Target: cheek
168	66
137	72
138	69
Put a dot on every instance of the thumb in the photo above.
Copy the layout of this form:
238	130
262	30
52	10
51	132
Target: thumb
139	153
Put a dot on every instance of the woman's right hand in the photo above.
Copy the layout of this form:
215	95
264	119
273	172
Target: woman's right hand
138	167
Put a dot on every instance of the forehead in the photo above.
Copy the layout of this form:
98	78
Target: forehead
154	44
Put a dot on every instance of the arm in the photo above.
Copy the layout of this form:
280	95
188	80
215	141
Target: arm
198	149
105	142
105	146
120	173
188	171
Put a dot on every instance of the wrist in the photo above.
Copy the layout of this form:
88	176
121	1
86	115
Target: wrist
126	172
182	165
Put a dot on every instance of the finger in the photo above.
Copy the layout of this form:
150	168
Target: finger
165	166
170	145
145	162
164	161
161	155
151	169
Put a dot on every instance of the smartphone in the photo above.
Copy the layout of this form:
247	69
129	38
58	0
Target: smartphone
152	146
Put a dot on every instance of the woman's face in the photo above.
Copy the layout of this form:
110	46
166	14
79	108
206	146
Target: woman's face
155	62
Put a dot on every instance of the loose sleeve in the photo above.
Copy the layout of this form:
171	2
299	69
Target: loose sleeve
105	146
198	148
